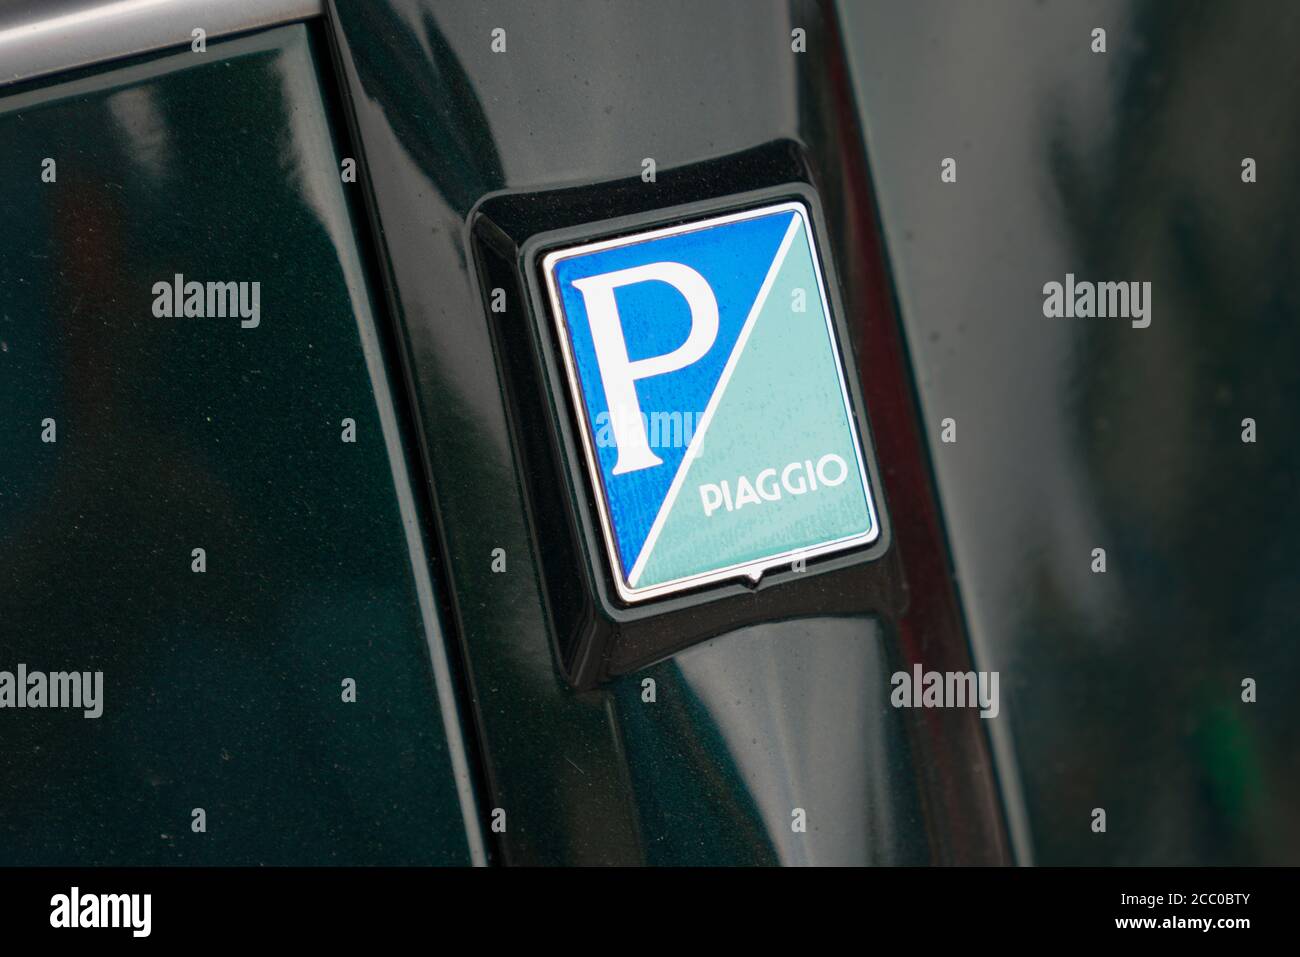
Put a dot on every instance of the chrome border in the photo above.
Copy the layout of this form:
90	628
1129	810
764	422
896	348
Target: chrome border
70	34
752	569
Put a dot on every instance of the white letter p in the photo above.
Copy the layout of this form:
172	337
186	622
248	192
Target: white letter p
619	373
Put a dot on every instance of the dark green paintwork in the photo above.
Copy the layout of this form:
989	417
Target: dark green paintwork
1121	690
772	718
759	721
223	690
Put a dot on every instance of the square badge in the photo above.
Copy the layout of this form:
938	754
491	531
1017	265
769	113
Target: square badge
716	424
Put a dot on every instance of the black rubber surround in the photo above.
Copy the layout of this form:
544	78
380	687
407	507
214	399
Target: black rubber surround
597	634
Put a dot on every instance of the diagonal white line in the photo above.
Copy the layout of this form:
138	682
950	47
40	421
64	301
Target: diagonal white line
693	450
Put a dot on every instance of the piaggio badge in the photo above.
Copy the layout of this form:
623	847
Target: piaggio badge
715	421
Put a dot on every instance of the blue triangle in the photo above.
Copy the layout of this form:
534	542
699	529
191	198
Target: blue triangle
734	258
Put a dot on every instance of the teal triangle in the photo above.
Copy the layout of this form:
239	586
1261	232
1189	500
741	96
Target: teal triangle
783	404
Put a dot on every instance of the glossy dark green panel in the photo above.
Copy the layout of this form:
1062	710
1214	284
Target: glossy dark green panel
744	730
222	689
583	92
1121	690
443	122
